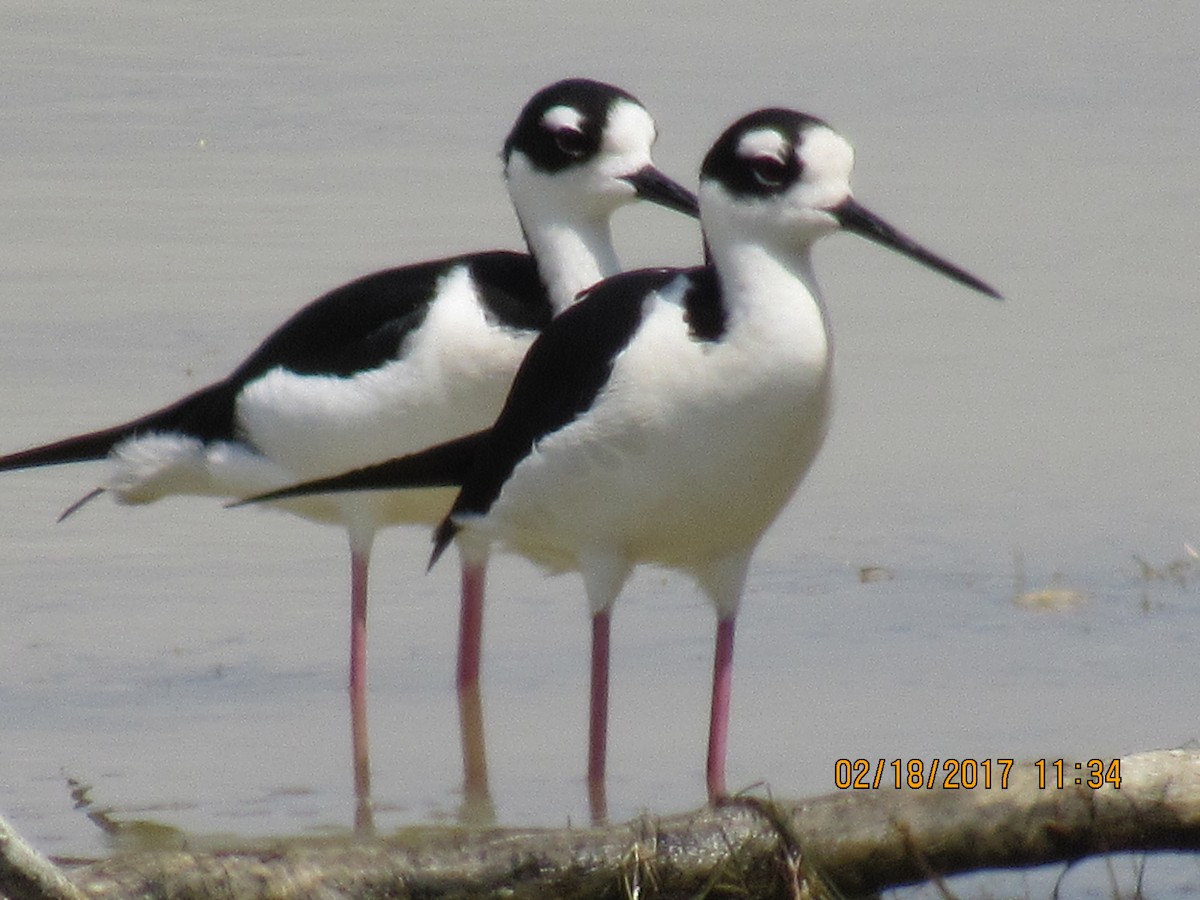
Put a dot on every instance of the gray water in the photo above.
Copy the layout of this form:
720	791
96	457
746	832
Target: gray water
179	177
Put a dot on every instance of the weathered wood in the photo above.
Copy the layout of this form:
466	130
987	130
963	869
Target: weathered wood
27	875
857	841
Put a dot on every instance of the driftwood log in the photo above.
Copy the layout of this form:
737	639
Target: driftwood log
852	843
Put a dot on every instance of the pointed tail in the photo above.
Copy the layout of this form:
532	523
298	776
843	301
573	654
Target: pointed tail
206	414
446	465
80	448
442	536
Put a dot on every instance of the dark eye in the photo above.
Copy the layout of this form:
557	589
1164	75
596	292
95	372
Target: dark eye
571	141
768	171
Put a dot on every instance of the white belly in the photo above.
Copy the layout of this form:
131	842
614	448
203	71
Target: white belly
687	455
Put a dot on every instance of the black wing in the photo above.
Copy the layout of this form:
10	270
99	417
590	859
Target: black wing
559	379
353	328
445	465
362	325
565	369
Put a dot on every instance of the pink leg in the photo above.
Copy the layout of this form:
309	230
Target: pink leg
360	748
470	625
470	705
477	806
598	722
718	723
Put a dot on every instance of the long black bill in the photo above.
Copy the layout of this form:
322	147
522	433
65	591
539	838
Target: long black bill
653	185
860	220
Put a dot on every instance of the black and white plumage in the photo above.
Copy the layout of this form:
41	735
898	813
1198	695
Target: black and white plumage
668	417
403	358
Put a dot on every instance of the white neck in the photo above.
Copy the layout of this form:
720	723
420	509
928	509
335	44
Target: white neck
571	255
565	217
772	294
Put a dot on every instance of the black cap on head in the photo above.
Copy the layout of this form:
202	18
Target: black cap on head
754	174
554	146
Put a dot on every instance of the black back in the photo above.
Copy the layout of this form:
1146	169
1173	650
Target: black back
567	368
353	328
560	378
362	325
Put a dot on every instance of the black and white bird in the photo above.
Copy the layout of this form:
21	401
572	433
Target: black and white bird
668	416
403	358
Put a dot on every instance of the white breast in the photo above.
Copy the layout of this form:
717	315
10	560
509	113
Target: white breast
689	452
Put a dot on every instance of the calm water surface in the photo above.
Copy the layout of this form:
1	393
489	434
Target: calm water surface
180	176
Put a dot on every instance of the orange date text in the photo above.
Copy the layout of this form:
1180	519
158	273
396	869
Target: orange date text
919	774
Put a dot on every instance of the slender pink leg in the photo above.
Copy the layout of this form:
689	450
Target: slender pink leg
477	806
470	625
360	747
718	723
598	721
470	704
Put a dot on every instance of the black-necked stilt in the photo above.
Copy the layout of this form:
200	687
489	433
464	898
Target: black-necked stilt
403	358
669	415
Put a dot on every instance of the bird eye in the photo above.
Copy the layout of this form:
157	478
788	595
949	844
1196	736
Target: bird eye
571	141
769	171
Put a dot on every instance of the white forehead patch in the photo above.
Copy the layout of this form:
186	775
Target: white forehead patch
763	142
559	117
826	155
629	129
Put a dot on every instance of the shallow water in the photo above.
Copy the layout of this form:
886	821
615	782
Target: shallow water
179	177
